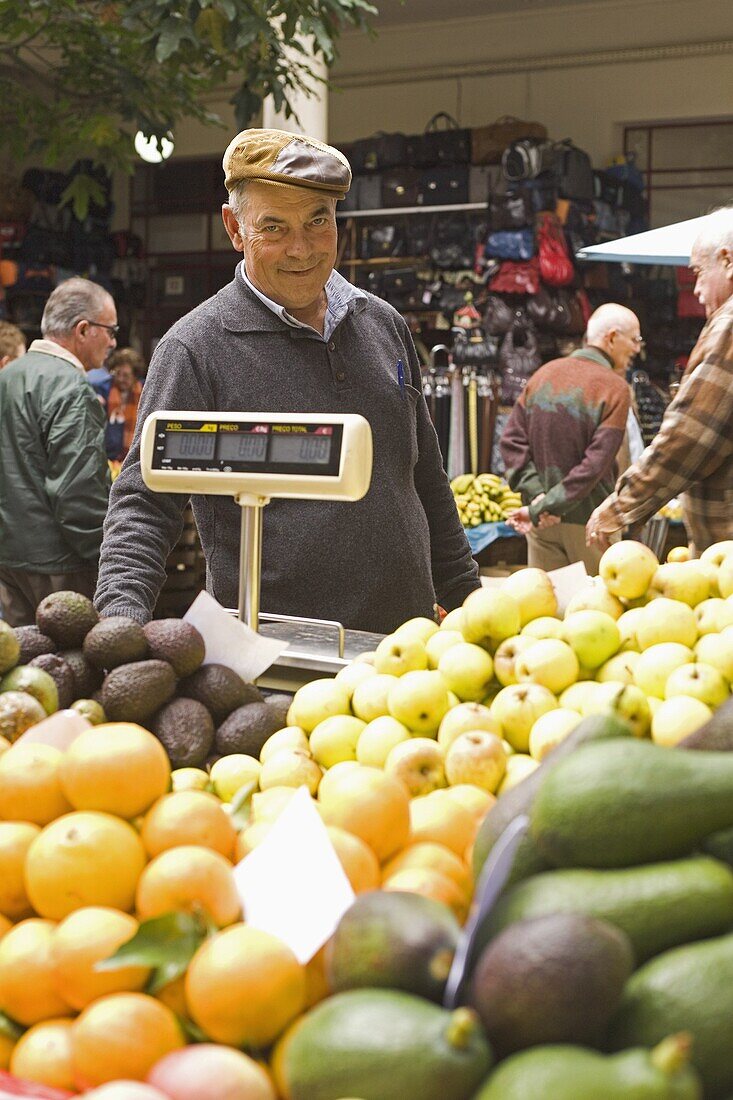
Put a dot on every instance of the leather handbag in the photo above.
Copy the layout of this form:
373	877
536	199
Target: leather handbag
381	150
527	158
481	181
556	267
478	353
489	142
511	244
559	312
574	172
519	358
365	193
452	244
383	239
418	234
444	186
510	209
443	142
400	187
517	278
498	315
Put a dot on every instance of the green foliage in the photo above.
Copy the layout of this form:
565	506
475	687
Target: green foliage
78	78
166	944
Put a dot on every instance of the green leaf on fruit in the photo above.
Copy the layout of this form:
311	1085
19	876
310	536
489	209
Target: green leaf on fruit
165	944
240	814
9	1027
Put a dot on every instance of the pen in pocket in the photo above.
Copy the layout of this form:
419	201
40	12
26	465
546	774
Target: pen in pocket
401	375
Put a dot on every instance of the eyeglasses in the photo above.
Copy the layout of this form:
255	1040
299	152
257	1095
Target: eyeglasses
114	329
640	343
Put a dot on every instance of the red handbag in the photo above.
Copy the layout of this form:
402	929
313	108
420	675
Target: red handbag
517	277
556	267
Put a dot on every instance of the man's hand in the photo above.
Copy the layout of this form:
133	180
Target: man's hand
546	519
520	520
598	531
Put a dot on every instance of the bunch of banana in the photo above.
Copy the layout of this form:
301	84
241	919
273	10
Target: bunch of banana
483	499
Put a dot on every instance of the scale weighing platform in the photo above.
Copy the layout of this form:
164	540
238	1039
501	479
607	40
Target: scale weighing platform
254	457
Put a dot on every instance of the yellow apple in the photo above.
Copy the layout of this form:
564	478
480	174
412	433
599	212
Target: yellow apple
679	553
627	629
463	719
700	681
656	665
677	718
291	768
594	596
518	767
544	627
355	673
627	701
550	729
378	738
685	581
725	577
489	616
627	568
420	628
453	620
190	779
396	655
268	805
716	553
369	700
230	773
533	591
506	655
419	700
442	640
418	764
367	656
478	758
717	650
619	667
334	739
593	635
550	663
467	670
516	708
577	696
291	737
317	700
713	615
666	620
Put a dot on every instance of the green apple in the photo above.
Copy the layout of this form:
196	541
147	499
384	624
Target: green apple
367	656
550	663
453	620
506	655
620	667
419	764
420	628
627	568
666	620
656	665
419	700
516	708
550	729
453	700
477	758
334	739
677	718
593	635
594	596
317	700
465	718
396	655
291	737
716	554
533	591
627	701
442	640
717	650
369	700
489	616
355	673
681	580
713	615
378	739
518	767
230	773
577	697
725	577
467	670
544	627
627	629
711	572
700	681
291	768
190	779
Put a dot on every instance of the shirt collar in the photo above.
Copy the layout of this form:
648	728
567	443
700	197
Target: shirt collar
50	347
339	294
596	355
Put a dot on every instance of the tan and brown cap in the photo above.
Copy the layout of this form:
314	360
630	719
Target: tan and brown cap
293	160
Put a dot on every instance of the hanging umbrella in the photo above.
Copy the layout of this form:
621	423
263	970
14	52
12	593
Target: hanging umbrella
670	244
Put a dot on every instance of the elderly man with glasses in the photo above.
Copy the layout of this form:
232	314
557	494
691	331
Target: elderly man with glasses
692	454
54	477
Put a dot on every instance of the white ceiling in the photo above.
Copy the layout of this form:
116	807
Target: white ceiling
393	12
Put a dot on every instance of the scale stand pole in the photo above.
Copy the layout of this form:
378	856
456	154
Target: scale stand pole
250	558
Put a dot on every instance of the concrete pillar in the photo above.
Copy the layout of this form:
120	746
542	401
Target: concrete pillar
312	110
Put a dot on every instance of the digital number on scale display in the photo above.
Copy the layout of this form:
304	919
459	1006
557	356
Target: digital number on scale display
280	448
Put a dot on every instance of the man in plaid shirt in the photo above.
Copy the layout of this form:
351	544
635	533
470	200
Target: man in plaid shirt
692	454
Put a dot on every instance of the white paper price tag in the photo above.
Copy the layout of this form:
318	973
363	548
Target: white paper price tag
230	642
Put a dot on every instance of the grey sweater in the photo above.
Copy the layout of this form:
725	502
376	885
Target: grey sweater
370	564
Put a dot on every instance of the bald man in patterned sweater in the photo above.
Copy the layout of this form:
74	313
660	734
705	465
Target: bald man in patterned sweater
562	438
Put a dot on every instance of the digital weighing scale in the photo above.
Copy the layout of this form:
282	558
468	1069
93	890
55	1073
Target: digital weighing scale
254	457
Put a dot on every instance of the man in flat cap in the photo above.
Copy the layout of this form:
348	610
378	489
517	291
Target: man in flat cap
289	334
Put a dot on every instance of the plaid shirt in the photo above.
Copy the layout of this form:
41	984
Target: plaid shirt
692	454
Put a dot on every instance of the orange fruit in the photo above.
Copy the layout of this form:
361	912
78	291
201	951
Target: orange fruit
30	787
5	925
431	884
188	817
83	859
83	939
357	859
174	996
125	1090
27	991
244	986
432	857
16	838
439	818
189	878
122	1036
43	1054
7	1046
316	982
371	805
118	768
209	1072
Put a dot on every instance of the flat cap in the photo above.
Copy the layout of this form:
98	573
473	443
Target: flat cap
292	160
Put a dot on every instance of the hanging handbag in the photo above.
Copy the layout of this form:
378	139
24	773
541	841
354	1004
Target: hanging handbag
383	239
400	187
511	244
556	267
510	209
527	158
418	233
498	315
381	150
444	186
481	181
574	172
452	244
476	353
489	142
518	360
517	278
443	142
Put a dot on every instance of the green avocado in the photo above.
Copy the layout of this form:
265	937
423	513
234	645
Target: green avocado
18	712
33	643
185	729
61	674
115	641
87	678
177	642
131	693
35	682
67	617
220	689
9	648
246	729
